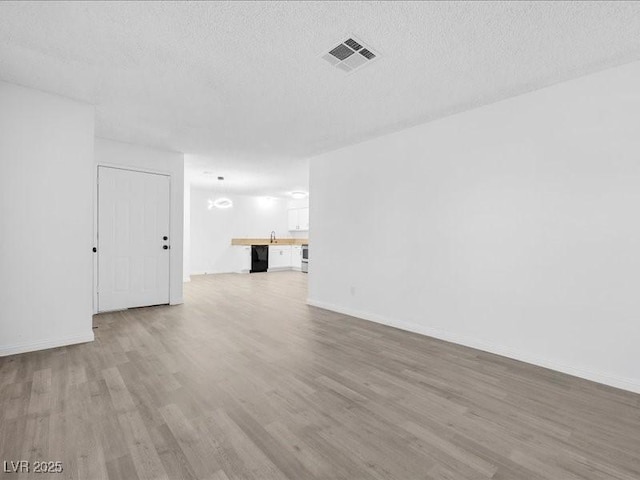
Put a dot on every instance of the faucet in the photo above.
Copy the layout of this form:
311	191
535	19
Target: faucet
272	237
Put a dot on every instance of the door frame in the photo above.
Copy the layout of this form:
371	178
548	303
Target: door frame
96	212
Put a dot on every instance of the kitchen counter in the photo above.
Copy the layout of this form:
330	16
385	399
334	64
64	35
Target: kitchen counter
266	241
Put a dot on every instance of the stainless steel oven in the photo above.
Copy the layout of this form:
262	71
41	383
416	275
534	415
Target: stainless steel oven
305	258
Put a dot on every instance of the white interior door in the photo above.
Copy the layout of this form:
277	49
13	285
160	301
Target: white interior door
133	239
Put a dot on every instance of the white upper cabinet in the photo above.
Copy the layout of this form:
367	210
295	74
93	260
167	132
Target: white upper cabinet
299	219
303	218
293	219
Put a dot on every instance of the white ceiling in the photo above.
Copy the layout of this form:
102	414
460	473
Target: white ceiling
277	176
241	85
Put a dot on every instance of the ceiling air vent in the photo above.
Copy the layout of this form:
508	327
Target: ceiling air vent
366	53
350	55
353	44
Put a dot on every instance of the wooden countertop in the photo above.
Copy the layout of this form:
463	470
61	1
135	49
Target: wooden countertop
266	241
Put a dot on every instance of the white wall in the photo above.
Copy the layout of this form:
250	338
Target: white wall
513	228
186	262
109	152
212	230
46	166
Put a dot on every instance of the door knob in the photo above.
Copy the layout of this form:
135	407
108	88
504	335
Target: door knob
165	247
165	238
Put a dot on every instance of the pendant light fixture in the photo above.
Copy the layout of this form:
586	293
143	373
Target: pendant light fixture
222	201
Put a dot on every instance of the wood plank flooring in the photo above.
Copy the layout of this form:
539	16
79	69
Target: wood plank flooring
245	381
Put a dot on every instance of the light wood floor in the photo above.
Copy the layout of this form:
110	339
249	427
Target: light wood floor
245	381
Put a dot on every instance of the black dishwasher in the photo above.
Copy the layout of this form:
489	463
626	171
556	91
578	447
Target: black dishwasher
259	258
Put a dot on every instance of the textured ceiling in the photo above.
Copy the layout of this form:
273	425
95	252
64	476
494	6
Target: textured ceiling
244	82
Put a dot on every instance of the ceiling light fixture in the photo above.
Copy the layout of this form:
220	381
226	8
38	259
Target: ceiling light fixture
222	202
298	194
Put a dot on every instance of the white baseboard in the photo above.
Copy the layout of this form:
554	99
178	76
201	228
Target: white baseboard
45	344
599	377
